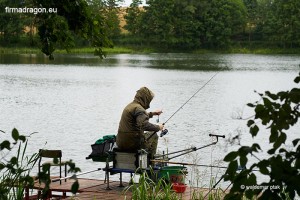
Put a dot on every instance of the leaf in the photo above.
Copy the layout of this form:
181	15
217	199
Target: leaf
46	167
281	140
271	151
259	109
95	22
55	160
15	134
252	179
282	95
263	167
282	150
22	138
244	150
5	145
297	79
250	123
264	171
254	130
274	135
230	156
272	96
75	187
267	102
13	160
295	95
232	168
250	105
255	147
243	161
295	142
2	166
297	163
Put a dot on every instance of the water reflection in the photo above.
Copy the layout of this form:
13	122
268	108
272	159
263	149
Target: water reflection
79	98
172	61
63	59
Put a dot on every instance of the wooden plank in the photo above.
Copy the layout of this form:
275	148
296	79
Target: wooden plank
66	186
100	192
113	195
96	189
95	195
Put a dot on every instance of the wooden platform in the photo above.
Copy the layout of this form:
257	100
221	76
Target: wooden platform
90	189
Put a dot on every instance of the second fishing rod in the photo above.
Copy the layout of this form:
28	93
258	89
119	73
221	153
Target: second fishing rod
165	131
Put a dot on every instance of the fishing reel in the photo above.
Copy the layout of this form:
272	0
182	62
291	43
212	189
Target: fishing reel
217	136
163	132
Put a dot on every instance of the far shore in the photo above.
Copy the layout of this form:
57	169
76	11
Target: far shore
141	50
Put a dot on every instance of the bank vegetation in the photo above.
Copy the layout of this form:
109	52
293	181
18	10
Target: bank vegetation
231	26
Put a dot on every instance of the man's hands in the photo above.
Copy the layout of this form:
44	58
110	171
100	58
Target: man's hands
157	112
161	127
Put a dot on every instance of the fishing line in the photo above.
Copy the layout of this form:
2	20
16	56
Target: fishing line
165	131
191	97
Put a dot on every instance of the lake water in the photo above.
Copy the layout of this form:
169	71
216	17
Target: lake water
76	99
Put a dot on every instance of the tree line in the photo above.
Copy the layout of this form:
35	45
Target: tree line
168	24
216	23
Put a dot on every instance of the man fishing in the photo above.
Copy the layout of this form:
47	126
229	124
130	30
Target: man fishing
135	121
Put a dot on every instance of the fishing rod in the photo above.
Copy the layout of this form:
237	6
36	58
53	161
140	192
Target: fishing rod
165	131
74	175
198	165
190	150
191	164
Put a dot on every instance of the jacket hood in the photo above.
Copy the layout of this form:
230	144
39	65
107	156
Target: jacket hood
144	96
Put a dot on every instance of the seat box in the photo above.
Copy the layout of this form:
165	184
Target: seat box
131	161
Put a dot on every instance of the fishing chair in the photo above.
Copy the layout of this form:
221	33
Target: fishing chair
53	154
50	156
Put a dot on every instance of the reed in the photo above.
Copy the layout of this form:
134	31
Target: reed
148	189
16	177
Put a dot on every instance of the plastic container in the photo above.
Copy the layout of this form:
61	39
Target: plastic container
173	174
179	187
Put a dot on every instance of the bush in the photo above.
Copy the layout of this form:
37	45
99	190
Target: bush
277	113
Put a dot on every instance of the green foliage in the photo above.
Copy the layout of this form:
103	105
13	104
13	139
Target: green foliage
222	20
11	24
16	170
147	189
167	25
187	24
278	113
73	16
278	22
110	11
132	17
157	22
74	19
284	22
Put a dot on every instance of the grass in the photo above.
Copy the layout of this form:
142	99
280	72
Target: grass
147	189
16	177
264	51
83	50
19	50
137	49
